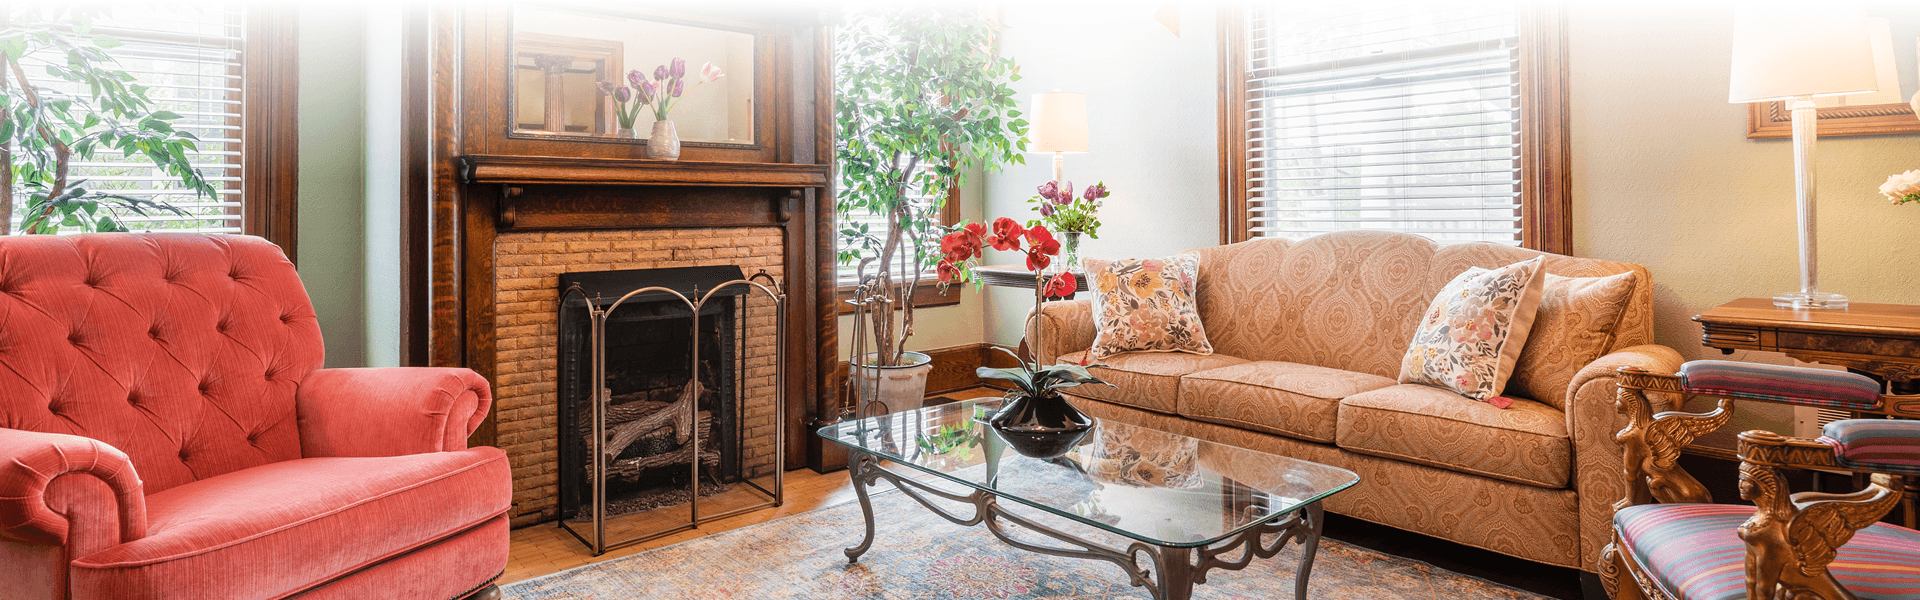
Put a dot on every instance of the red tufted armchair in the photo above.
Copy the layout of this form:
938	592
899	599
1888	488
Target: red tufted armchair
166	431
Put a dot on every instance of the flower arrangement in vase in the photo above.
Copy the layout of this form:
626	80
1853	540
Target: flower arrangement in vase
1036	420
659	94
1902	188
1069	215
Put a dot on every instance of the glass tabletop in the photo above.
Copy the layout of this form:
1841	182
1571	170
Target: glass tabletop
1149	485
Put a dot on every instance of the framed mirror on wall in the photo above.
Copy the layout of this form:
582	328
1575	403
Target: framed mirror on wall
1894	28
560	58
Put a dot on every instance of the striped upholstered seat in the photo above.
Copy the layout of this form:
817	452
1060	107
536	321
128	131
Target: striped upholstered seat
1776	383
1875	444
1693	553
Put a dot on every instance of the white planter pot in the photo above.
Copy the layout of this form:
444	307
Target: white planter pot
900	388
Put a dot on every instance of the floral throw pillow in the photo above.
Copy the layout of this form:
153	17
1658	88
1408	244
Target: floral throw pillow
1472	334
1146	305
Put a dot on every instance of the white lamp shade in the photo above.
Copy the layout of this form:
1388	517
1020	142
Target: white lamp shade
1059	123
1788	51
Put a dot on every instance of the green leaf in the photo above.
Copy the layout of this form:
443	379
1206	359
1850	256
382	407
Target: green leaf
165	115
106	42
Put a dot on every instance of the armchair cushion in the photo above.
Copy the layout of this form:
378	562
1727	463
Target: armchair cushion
389	411
1692	551
1779	383
1875	444
277	529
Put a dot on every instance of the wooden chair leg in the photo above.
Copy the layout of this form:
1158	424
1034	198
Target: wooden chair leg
491	592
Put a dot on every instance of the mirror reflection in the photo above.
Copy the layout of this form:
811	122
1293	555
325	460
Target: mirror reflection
580	73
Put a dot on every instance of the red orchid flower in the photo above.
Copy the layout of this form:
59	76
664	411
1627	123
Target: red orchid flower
1061	286
1037	261
954	246
1042	240
1006	234
947	271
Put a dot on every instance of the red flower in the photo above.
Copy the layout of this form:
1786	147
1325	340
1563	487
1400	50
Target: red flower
947	271
1006	234
1042	240
1037	261
954	246
1061	286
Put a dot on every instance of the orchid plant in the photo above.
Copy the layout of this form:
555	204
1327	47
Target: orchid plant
1066	213
659	94
963	248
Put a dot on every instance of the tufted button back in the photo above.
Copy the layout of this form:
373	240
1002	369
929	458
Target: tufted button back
81	315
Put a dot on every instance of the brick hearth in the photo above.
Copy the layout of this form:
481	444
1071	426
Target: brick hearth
527	269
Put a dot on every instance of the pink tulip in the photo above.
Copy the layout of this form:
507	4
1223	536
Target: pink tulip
1066	192
708	73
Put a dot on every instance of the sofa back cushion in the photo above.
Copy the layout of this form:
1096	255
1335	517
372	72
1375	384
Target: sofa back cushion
181	350
1352	299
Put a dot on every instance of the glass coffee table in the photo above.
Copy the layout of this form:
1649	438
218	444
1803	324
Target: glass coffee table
1184	506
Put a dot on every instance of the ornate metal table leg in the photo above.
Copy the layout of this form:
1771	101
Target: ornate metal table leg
1175	572
857	471
1309	546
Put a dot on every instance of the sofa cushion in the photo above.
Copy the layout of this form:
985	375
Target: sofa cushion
1573	327
1149	380
1471	336
1694	551
1289	399
1146	305
1525	443
273	529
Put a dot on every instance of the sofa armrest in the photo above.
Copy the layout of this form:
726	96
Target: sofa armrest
1065	326
30	461
389	411
1598	477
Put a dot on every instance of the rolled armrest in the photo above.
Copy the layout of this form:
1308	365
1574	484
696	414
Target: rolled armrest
389	411
1065	326
31	460
1598	475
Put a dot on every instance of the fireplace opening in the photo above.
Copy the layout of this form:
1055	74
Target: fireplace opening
654	409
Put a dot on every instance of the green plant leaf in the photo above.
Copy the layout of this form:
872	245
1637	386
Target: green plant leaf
106	42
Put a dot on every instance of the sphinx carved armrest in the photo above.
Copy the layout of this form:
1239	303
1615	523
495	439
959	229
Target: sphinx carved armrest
1792	539
1651	442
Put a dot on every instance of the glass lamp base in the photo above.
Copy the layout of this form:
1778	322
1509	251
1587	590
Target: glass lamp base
1813	300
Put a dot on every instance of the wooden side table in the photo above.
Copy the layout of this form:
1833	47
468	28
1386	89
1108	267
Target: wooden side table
1017	276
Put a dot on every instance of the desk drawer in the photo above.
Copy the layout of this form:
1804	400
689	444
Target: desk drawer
1886	348
1729	336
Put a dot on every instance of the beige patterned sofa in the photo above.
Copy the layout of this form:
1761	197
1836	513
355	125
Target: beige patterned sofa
1308	336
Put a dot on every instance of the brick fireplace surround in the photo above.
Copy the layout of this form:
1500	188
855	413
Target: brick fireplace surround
527	265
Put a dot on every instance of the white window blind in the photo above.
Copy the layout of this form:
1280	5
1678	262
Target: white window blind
1400	117
190	59
877	226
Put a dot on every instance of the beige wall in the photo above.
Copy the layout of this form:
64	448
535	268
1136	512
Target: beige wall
1664	176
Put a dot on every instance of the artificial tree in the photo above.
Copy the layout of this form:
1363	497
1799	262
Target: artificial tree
921	97
94	107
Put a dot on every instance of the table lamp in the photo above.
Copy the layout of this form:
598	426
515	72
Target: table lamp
1059	126
1795	55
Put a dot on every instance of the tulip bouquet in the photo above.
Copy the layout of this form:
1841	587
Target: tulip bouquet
1903	187
1066	213
660	94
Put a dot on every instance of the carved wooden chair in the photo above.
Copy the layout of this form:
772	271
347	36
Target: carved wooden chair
1807	545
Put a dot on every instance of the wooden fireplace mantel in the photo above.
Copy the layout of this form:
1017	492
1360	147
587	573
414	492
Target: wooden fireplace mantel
482	169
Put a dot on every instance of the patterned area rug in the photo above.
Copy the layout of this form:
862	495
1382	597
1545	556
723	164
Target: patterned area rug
918	556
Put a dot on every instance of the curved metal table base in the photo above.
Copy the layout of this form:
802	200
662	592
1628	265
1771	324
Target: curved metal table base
1172	570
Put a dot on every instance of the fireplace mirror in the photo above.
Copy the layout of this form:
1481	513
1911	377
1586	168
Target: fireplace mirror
560	57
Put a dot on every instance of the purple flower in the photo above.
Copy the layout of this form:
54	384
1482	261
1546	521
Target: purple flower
678	86
606	88
679	68
1066	193
646	91
622	94
1049	190
634	77
1096	191
660	73
1046	210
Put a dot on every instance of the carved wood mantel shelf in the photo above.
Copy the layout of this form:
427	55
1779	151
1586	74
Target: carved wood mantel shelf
617	171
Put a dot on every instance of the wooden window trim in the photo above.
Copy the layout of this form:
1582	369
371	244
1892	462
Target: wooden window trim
272	140
927	294
1546	197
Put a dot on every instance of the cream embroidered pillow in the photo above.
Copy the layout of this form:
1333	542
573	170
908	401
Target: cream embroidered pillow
1472	334
1573	327
1146	305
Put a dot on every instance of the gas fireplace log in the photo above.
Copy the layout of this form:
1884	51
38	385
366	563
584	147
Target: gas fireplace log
675	415
630	468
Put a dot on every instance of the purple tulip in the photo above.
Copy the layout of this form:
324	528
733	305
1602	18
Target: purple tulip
645	89
1096	192
1049	190
1066	193
678	86
622	94
660	73
1046	210
679	68
636	78
606	88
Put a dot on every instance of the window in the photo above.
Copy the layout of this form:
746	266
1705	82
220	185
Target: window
1441	119
228	71
846	276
